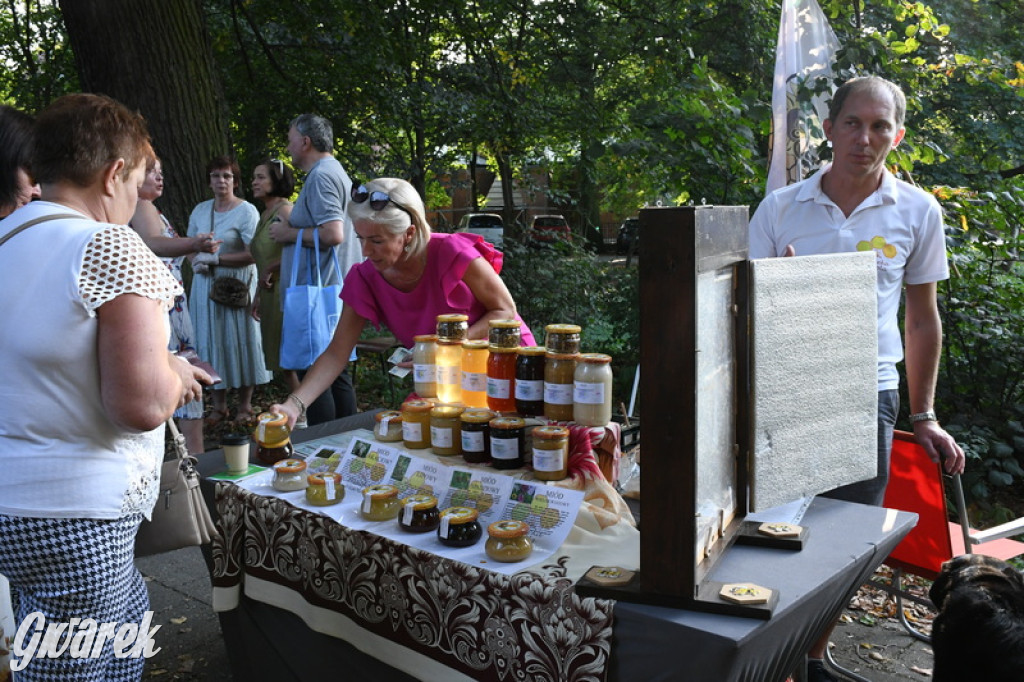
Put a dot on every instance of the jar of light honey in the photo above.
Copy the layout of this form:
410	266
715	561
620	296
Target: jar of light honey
324	489
380	503
289	475
559	374
550	452
416	424
508	541
592	390
445	430
388	426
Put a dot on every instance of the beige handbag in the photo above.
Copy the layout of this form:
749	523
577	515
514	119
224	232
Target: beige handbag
180	517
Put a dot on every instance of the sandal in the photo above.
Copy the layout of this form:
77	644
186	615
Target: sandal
245	418
215	417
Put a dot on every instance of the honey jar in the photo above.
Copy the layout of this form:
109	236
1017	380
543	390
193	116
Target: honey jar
452	328
459	527
508	541
504	333
474	372
273	439
592	390
424	365
416	424
508	440
289	474
476	432
550	453
445	430
563	339
559	377
324	488
529	381
388	426
380	502
419	514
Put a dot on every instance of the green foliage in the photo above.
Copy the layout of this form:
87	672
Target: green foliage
39	65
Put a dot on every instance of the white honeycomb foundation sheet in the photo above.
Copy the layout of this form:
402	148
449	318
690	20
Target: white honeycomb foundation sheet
814	376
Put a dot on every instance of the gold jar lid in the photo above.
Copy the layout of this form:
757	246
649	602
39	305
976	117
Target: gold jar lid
453	317
500	349
417	406
478	415
447	411
532	350
550	432
420	501
596	358
563	329
475	344
459	515
504	324
290	466
381	491
508	423
390	415
508	529
424	338
322	477
561	356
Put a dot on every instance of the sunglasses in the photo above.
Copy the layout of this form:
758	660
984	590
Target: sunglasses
378	200
280	166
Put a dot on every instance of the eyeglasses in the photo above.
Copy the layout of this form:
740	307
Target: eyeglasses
378	200
225	176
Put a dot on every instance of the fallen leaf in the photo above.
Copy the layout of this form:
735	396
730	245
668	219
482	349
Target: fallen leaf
921	671
179	620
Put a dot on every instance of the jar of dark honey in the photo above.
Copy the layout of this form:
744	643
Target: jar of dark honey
459	527
419	513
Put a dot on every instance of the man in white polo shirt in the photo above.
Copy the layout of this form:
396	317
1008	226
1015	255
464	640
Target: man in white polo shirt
856	204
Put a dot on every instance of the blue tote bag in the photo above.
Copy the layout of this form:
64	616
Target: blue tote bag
311	311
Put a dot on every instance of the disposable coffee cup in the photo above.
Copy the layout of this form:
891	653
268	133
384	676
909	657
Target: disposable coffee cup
236	452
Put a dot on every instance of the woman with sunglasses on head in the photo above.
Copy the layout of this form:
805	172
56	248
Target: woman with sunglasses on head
273	184
409	277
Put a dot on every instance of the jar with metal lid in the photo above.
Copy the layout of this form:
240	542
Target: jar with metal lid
550	453
449	371
459	527
445	430
289	475
508	541
380	502
504	333
592	390
474	373
273	439
529	381
424	365
501	379
452	328
475	432
388	426
419	514
416	424
508	441
562	338
324	489
559	374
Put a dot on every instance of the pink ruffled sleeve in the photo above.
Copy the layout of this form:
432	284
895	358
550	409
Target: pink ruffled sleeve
357	292
455	254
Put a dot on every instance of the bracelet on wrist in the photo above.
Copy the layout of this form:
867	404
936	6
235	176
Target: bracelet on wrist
927	416
301	405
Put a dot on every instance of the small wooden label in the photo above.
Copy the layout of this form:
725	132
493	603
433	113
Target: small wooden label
745	593
610	575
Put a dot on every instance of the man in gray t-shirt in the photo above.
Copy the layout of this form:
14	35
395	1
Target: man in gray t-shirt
321	207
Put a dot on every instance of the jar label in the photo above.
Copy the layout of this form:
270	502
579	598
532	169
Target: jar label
557	394
412	432
504	448
531	391
472	441
382	426
424	374
475	382
367	503
443	530
549	460
588	393
449	374
440	436
498	388
329	488
407	512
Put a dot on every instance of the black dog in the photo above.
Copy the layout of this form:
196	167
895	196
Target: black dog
979	632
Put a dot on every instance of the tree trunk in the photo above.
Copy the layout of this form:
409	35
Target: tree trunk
156	58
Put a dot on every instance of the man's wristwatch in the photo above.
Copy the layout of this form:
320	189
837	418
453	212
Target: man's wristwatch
928	416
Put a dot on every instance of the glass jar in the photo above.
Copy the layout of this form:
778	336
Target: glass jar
324	489
449	371
508	541
459	527
452	328
474	373
289	475
550	453
445	430
416	424
508	439
273	439
592	390
501	379
529	381
419	514
476	431
424	365
504	333
380	502
563	339
559	374
388	426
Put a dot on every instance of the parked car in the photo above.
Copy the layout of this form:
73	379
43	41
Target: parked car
487	225
629	236
549	229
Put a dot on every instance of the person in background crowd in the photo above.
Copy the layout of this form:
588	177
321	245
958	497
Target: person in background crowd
320	205
88	383
159	236
409	277
16	185
228	338
273	184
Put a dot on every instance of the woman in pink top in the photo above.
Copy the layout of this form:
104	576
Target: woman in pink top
409	277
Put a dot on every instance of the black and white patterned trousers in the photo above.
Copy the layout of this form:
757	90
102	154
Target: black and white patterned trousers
74	568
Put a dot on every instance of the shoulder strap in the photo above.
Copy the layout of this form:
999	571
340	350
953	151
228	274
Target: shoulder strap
36	221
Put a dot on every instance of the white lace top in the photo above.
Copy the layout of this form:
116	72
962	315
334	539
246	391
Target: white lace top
60	455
